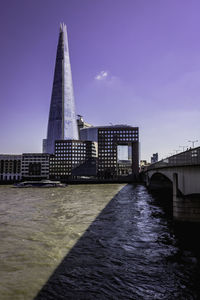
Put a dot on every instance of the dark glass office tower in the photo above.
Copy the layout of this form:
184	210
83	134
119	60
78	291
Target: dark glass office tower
118	150
62	123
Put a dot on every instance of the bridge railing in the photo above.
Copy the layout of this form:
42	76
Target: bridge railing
189	157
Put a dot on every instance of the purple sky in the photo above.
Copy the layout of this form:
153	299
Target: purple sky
133	62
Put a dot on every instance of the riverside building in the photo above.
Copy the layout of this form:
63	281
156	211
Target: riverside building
10	167
154	158
118	150
73	159
35	166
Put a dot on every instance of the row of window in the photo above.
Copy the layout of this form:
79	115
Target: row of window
70	150
107	146
112	141
35	159
118	131
10	172
10	161
42	170
102	163
66	164
109	153
10	177
118	135
26	167
7	168
69	145
58	174
106	166
68	156
10	164
77	151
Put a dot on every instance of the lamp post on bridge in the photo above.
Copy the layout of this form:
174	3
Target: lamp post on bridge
183	147
193	142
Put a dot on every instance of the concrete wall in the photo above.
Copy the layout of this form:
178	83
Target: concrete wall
188	178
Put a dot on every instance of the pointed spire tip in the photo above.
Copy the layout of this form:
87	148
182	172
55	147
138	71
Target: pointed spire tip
63	27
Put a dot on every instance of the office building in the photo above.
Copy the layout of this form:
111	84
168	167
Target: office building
35	166
73	159
89	134
62	124
118	154
154	158
10	167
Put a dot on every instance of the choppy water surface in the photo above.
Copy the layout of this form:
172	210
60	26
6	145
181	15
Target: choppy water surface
37	229
128	251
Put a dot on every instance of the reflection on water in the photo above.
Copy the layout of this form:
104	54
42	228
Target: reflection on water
38	228
131	250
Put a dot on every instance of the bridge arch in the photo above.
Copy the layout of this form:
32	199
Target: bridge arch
159	181
184	181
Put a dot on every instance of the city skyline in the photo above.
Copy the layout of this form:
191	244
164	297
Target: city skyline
136	64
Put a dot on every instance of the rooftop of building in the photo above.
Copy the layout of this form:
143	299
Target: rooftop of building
35	154
9	155
73	141
113	126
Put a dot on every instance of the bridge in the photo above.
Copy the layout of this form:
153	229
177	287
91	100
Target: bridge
181	173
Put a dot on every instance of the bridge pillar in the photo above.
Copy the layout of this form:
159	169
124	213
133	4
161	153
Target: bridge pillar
185	208
175	185
147	180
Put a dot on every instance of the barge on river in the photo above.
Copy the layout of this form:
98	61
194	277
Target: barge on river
42	183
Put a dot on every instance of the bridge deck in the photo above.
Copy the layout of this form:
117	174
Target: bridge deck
186	158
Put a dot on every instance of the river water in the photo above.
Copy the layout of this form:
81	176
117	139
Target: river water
110	241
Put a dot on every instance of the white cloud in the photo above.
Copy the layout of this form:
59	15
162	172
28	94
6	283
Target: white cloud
102	75
108	80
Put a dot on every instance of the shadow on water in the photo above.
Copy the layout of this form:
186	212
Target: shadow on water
88	260
186	233
130	251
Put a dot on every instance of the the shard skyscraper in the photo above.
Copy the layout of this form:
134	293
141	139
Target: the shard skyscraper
62	123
